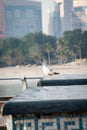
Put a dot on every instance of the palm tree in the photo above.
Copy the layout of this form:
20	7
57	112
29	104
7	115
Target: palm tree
62	50
48	49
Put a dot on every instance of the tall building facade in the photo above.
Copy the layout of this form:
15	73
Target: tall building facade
79	15
80	18
65	14
54	27
22	17
2	20
78	3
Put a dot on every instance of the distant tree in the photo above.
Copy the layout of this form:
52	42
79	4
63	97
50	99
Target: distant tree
62	51
48	49
73	39
13	57
35	53
34	46
1	48
41	39
84	44
10	51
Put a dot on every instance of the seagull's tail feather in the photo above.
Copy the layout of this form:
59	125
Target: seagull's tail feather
56	73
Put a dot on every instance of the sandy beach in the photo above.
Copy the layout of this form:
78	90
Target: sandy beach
36	71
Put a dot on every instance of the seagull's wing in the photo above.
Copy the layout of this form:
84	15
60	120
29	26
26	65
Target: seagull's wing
52	72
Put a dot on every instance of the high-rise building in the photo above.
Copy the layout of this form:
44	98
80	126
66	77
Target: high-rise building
79	15
65	14
2	21
54	27
80	18
78	3
22	17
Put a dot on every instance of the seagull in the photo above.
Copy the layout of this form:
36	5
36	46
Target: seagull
48	71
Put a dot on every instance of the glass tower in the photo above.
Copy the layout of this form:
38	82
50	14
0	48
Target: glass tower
54	27
2	22
80	18
22	17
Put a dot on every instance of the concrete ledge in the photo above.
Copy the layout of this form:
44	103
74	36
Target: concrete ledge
62	82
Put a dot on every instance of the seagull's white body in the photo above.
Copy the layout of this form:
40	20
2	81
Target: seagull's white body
47	71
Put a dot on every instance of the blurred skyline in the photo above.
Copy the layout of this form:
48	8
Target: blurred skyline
46	4
65	10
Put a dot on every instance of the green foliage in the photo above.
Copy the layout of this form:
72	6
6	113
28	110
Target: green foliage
29	49
33	47
71	46
62	50
10	52
35	53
